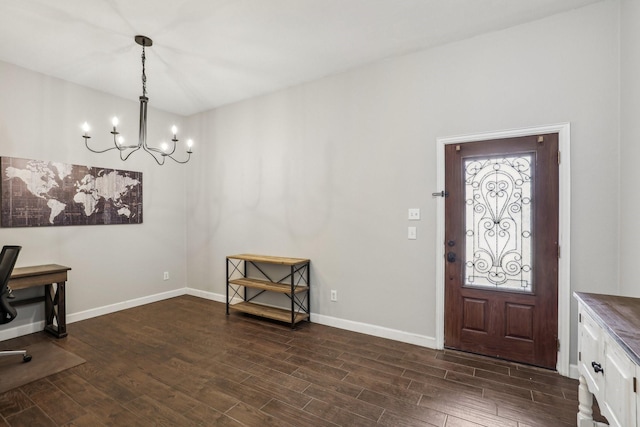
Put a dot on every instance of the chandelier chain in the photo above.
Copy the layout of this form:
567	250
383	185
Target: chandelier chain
144	75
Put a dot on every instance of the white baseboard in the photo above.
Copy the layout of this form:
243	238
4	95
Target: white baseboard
88	314
335	322
207	295
18	331
376	331
349	325
365	328
112	308
573	372
212	296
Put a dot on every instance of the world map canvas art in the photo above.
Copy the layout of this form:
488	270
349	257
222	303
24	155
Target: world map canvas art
38	193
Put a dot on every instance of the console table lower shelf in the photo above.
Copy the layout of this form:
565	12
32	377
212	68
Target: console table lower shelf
268	312
294	285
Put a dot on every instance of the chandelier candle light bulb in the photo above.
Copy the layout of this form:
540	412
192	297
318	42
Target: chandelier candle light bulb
86	129
158	155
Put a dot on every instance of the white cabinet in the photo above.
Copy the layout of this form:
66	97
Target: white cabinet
608	361
591	352
619	404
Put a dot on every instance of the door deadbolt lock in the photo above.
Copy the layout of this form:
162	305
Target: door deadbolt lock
451	257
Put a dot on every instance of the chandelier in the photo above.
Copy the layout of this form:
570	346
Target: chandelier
158	154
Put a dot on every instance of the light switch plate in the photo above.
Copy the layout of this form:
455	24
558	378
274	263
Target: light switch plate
413	234
414	214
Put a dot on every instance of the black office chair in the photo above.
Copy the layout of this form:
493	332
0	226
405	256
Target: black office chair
8	258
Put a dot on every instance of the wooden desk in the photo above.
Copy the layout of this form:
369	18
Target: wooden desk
54	296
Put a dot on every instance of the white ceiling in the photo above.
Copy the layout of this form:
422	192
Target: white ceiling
208	53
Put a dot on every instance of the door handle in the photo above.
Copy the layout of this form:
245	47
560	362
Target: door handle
451	257
597	367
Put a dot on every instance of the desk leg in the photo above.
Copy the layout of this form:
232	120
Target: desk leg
55	309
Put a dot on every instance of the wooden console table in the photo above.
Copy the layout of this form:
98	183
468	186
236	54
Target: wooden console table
53	277
294	284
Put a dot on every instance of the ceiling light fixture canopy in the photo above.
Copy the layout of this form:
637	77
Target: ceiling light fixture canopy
158	154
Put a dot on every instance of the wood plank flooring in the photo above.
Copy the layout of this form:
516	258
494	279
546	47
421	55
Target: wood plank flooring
183	362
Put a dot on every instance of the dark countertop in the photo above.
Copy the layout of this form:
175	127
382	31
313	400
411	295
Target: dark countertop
618	315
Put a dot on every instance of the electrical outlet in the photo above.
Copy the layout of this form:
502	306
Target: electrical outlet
414	214
334	295
166	275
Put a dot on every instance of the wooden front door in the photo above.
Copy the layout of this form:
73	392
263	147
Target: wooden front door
501	248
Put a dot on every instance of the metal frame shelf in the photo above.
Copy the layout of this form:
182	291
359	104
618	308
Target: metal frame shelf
295	285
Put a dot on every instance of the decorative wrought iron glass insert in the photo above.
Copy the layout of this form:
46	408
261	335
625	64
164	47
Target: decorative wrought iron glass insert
498	223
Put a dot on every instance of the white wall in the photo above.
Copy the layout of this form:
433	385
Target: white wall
327	170
40	118
629	148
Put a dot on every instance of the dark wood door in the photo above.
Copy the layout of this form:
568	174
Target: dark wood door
501	248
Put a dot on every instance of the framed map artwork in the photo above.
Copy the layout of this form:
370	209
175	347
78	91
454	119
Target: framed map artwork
36	193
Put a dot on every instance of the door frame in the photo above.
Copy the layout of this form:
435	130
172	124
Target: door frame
564	271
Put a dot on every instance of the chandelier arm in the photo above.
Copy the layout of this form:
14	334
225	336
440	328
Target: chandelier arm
151	150
86	143
181	161
118	146
128	154
155	150
174	140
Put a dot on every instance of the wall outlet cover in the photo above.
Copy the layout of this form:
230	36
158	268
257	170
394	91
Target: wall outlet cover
412	233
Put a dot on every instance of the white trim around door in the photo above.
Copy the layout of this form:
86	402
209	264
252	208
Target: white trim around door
564	274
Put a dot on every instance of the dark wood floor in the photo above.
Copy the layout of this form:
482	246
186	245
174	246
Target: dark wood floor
182	362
